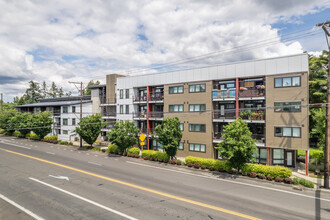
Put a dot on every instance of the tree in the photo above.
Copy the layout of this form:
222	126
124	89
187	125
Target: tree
124	135
90	128
41	123
169	135
21	122
5	123
238	146
318	129
87	91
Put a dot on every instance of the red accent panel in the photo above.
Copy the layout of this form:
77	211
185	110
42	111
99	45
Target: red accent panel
237	103
267	156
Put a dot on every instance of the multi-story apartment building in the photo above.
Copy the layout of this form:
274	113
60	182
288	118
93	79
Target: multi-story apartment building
65	113
271	95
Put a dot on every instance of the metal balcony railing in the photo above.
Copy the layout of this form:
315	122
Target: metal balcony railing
217	135
253	115
225	115
140	98
259	137
258	91
157	97
139	115
110	114
156	114
223	93
105	100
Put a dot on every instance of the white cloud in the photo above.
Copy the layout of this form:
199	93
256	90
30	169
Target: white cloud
82	40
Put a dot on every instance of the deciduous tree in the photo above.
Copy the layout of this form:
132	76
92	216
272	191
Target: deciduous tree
124	135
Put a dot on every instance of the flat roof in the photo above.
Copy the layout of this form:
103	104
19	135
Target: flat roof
49	104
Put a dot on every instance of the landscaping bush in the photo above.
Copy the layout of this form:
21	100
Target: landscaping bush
197	165
252	174
203	167
18	134
274	171
211	168
173	161
303	182
96	148
113	149
244	174
65	142
178	162
137	156
2	131
133	151
50	138
190	164
155	155
261	176
231	171
288	180
216	164
270	178
34	136
220	169
278	179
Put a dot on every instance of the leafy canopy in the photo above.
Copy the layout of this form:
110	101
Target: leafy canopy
90	128
238	146
124	135
41	123
169	135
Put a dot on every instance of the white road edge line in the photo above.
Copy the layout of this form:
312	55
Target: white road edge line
5	142
84	199
21	208
95	163
50	153
230	181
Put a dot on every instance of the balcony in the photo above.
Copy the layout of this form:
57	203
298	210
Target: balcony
153	115
57	124
224	116
217	137
109	115
108	101
56	113
108	127
223	94
252	93
260	139
253	116
140	98
157	97
140	115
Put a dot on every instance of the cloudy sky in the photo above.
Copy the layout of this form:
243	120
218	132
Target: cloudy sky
78	40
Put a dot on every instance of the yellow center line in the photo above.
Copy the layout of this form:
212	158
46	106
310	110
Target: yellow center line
138	187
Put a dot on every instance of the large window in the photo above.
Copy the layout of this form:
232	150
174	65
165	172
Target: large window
181	126
65	132
197	88
287	132
197	147
73	109
127	109
127	93
176	108
197	127
65	121
287	106
121	94
261	156
287	82
278	156
65	109
197	108
175	89
181	146
156	145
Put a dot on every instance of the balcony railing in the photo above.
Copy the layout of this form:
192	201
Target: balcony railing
156	114
144	130
217	135
140	98
150	114
57	124
109	126
223	93
259	137
105	100
56	113
139	115
252	92
110	114
157	97
253	115
226	115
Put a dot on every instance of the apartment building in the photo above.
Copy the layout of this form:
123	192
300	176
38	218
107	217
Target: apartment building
270	95
65	113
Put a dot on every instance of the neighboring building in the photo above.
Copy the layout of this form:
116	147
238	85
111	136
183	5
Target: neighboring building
205	99
65	113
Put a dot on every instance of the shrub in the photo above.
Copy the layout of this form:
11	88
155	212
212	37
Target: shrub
288	180
113	149
145	158
156	155
64	142
76	139
274	171
27	136
211	168
50	138
96	148
261	176
244	174
270	178
278	179
34	136
203	167
197	165
220	169
216	164
165	160
231	171
18	134
173	161
303	182
133	150
178	162
190	164
2	131
252	174
137	156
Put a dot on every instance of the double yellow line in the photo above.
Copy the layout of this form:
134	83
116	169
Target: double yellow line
138	187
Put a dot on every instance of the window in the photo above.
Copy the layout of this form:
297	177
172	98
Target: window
65	132
197	127
175	89
181	126
197	108
127	109
176	108
73	109
127	93
156	145
287	82
65	121
261	156
121	110
287	132
65	109
121	94
197	147
278	156
197	88
287	106
73	121
181	146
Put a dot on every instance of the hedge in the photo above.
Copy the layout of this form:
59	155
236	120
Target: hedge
216	164
112	148
18	134
50	138
34	136
273	171
155	154
303	182
133	150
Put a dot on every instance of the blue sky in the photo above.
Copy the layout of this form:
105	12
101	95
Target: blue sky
80	40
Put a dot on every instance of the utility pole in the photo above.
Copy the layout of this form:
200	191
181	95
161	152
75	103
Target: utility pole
81	96
1	102
325	27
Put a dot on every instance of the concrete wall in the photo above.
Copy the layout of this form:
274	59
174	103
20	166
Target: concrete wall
96	102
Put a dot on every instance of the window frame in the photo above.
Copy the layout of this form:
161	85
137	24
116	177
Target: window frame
73	109
121	109
73	121
126	109
127	93
200	147
200	107
182	146
291	80
200	128
65	132
66	109
67	121
121	94
171	89
291	136
169	108
273	157
195	86
281	107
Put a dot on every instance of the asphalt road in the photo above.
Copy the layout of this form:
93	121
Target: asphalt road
51	181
